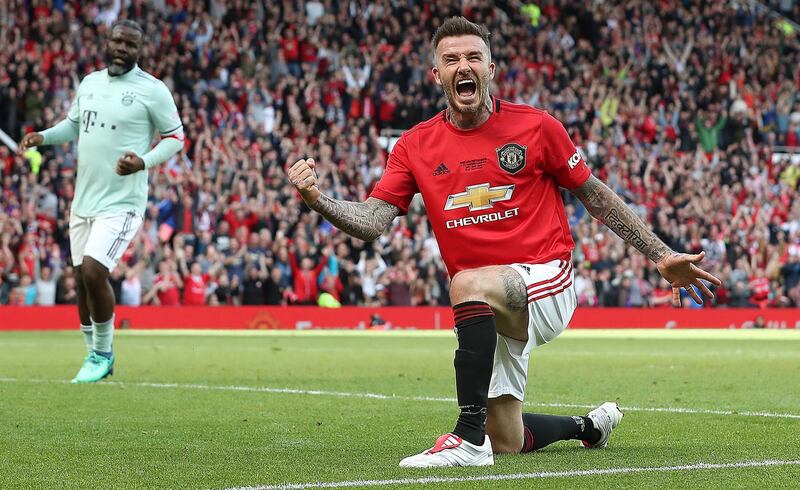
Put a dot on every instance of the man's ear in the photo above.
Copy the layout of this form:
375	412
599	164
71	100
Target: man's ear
492	67
436	77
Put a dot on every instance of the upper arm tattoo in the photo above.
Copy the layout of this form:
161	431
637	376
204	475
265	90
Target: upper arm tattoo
605	205
363	220
516	292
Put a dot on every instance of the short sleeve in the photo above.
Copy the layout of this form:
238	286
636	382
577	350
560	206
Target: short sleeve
164	113
560	157
397	186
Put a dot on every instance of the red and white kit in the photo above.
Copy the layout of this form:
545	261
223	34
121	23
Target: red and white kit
492	196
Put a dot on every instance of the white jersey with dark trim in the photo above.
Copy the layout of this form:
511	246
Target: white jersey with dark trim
115	115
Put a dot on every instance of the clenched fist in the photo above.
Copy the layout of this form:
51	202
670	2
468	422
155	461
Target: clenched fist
29	141
129	163
304	178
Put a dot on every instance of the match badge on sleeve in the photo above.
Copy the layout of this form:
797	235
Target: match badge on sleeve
511	157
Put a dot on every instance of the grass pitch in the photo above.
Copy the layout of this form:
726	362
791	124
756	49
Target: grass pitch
221	410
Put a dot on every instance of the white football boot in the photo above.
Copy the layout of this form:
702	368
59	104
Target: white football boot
605	418
451	450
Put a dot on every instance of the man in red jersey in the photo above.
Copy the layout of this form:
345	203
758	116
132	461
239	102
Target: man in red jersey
489	173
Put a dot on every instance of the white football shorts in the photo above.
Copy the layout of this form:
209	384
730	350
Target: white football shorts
103	238
551	303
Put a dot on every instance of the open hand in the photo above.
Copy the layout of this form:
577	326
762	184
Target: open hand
129	163
681	272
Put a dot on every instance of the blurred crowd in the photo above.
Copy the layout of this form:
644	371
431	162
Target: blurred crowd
684	108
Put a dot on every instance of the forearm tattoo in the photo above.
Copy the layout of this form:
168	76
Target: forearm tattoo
363	220
605	205
516	292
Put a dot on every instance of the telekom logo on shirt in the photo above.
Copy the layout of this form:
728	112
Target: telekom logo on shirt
479	197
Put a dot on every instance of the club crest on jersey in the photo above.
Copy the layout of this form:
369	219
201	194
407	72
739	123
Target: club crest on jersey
127	98
511	157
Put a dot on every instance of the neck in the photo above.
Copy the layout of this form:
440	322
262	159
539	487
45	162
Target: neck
470	120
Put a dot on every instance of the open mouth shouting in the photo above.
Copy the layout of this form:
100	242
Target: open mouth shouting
466	91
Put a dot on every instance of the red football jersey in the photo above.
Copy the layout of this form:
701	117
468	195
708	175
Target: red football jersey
491	193
194	289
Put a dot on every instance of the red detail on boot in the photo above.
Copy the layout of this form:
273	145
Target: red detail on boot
447	441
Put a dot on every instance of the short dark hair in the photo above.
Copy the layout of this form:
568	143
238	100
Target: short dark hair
131	24
459	26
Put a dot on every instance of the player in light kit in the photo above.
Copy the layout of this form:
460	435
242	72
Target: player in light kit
114	116
489	173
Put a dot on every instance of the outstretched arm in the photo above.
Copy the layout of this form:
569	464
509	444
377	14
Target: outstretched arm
605	205
677	268
363	220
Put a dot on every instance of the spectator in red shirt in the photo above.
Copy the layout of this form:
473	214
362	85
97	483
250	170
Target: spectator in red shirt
28	253
166	286
290	47
389	101
306	277
662	295
195	282
759	288
184	216
237	217
308	51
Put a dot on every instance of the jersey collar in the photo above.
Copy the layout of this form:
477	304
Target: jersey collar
127	76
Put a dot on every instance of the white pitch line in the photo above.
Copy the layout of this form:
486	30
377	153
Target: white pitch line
521	476
382	396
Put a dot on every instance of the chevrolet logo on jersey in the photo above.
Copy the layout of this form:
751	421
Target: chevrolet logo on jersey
479	197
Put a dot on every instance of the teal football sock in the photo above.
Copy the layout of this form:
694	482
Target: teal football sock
88	336
103	335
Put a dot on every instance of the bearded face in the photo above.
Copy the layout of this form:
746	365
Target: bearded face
464	71
122	50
